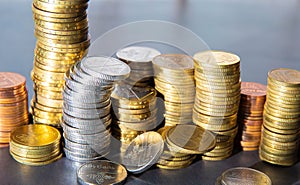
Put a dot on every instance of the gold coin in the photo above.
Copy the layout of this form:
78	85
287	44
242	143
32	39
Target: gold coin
36	10
219	58
285	77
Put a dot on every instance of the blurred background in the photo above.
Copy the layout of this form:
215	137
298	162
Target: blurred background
264	33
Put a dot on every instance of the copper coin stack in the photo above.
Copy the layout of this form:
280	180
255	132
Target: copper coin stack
139	59
250	116
217	75
281	125
174	79
13	104
61	29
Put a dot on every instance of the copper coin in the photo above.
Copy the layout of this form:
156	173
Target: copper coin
253	89
10	81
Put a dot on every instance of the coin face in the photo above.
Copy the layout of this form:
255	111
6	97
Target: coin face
11	80
174	61
217	58
105	66
101	172
242	175
144	151
253	89
137	54
35	135
191	138
285	75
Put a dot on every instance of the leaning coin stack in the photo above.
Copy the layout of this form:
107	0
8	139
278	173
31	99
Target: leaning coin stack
35	144
182	143
174	80
86	109
13	104
243	175
139	60
250	116
281	125
218	85
61	29
134	111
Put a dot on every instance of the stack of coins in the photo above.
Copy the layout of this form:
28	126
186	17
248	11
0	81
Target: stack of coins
174	79
182	142
35	144
86	109
250	116
13	104
134	111
281	125
217	99
243	175
139	60
61	29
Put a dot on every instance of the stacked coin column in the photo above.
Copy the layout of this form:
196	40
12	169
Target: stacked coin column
13	104
139	60
218	85
61	29
87	105
281	125
250	116
134	112
173	78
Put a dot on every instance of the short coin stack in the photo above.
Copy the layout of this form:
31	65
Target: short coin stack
61	29
139	60
35	144
243	175
174	80
250	116
134	111
182	142
281	124
217	99
86	108
13	104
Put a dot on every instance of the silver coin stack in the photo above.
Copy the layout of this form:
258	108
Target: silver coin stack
86	108
139	60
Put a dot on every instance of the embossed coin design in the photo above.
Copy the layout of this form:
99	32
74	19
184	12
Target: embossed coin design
102	172
143	152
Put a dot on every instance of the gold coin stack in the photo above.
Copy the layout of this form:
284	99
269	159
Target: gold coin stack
13	104
218	85
139	60
134	112
281	125
61	29
182	143
250	116
174	79
35	144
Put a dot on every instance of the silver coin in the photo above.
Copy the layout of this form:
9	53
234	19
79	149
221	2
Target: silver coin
81	160
144	151
107	68
87	116
102	172
70	129
95	111
243	175
82	123
137	54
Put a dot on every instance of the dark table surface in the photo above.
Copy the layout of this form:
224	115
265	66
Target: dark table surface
265	34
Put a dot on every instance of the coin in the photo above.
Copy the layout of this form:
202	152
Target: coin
243	175
101	172
143	152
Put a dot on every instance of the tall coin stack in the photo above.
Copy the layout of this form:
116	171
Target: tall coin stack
13	104
86	109
250	116
61	29
134	112
139	60
174	80
218	85
281	125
